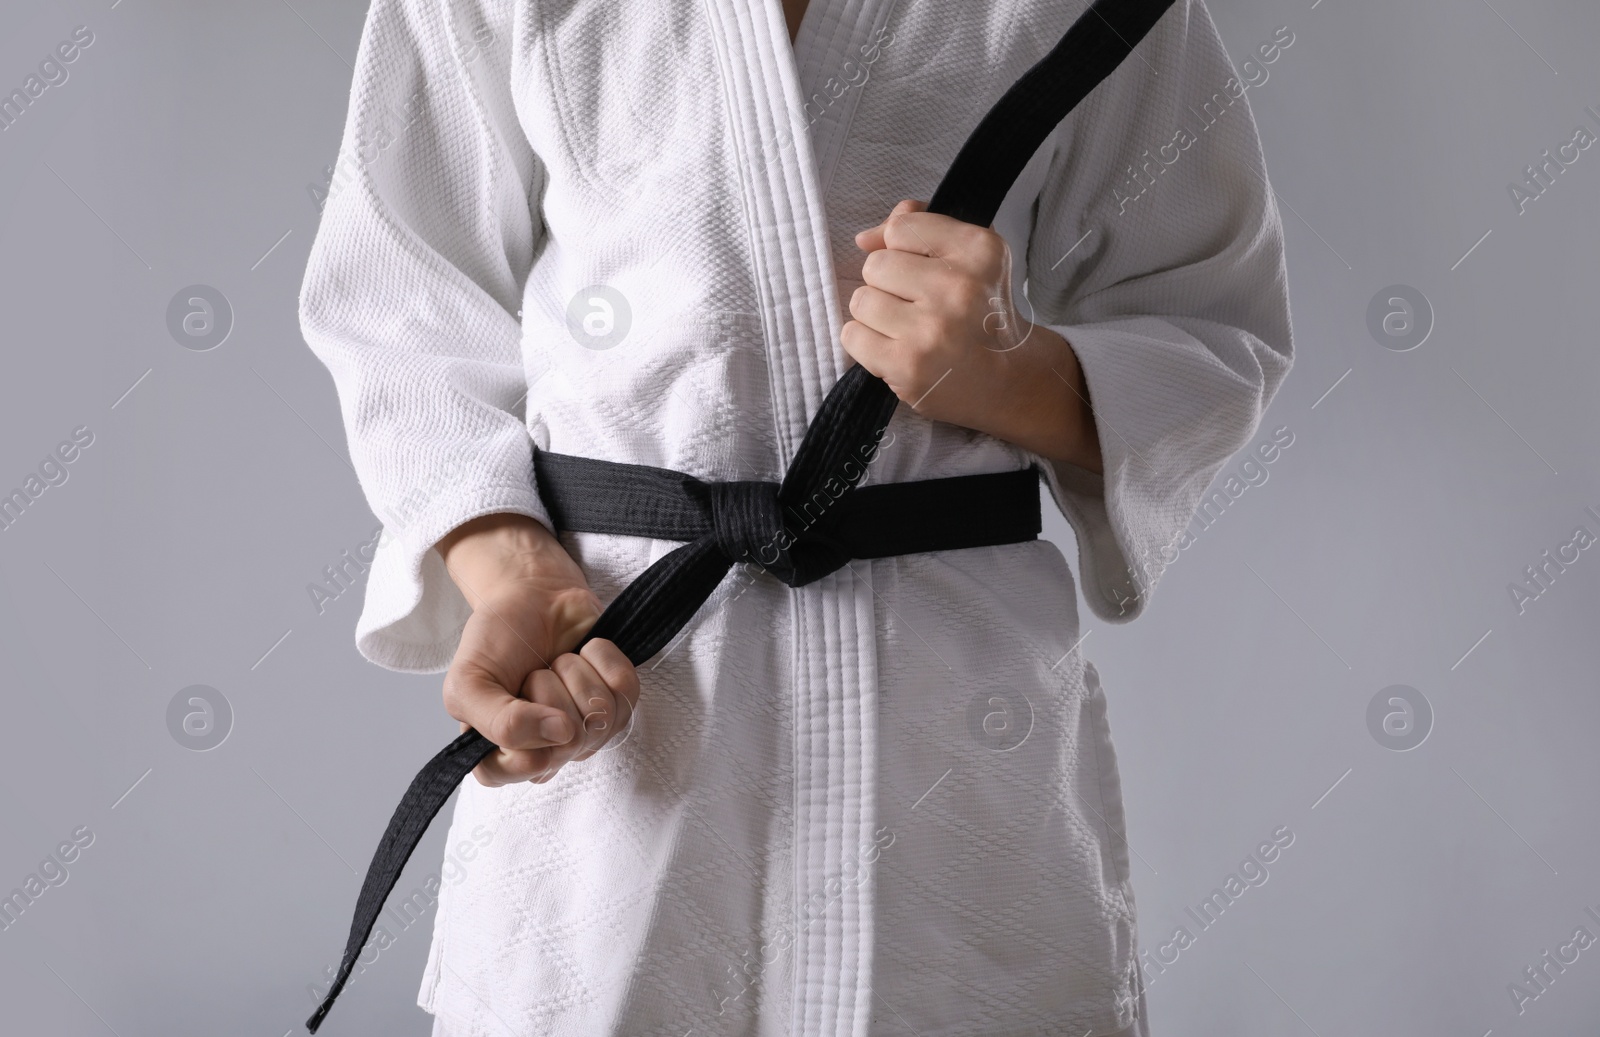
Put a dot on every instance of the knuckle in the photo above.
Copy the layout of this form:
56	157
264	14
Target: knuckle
616	670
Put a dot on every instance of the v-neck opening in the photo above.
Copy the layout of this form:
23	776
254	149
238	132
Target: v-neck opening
799	30
801	38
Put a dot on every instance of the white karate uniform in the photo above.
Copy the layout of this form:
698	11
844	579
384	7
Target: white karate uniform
821	821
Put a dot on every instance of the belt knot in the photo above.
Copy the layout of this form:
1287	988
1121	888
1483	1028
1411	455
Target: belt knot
747	525
747	522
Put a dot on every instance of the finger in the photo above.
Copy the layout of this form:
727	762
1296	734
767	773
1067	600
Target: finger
886	314
877	352
542	688
925	233
871	239
594	701
614	668
619	673
546	688
475	697
622	680
929	234
906	275
505	766
508	766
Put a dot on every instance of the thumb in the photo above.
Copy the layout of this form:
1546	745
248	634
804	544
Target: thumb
478	696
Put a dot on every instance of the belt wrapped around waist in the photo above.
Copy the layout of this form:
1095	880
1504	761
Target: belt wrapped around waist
799	538
726	522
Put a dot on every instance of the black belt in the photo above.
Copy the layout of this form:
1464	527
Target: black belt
799	531
726	522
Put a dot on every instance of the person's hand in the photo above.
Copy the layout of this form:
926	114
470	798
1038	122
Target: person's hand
935	320
515	678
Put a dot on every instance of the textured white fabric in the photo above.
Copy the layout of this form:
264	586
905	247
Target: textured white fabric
816	825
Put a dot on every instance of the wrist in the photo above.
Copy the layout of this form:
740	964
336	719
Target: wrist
504	553
1044	401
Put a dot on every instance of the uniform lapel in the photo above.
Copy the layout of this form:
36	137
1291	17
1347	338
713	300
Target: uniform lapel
834	694
783	201
839	43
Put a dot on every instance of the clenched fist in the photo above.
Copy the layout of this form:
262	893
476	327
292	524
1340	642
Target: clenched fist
935	320
515	677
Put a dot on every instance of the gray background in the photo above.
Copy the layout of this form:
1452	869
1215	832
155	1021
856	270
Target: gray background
1378	552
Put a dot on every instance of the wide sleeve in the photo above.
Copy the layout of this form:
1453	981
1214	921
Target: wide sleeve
1157	253
411	298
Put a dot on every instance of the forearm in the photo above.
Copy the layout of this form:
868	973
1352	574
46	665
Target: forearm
1039	400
